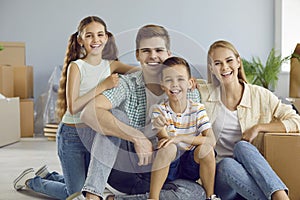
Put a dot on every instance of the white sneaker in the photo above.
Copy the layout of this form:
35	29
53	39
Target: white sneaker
214	197
20	181
107	193
76	196
42	171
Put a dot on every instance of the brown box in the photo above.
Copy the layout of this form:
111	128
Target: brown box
6	81
295	73
23	81
27	117
9	121
296	103
282	152
13	53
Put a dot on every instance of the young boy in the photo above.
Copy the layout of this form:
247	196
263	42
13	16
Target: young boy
184	132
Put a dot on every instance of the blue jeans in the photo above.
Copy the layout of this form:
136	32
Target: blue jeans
107	157
248	175
73	144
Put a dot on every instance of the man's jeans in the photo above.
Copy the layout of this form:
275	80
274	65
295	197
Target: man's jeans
113	153
74	157
248	174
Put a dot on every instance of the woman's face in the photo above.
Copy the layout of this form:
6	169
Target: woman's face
225	65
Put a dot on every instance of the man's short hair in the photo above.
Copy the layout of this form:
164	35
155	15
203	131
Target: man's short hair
150	31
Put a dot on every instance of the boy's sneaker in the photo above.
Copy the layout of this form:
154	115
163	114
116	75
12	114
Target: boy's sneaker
20	181
76	196
42	172
213	197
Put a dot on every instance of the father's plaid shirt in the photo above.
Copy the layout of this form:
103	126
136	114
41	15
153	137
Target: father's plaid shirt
130	97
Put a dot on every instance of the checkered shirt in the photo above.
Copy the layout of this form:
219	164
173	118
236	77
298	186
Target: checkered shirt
130	97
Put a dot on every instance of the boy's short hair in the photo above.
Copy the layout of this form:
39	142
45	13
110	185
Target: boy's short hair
172	61
150	31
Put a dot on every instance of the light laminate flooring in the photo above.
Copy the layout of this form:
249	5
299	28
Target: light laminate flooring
14	158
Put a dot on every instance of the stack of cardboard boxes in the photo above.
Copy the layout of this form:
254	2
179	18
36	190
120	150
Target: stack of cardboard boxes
16	84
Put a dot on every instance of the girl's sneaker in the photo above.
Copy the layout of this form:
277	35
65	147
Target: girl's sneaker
20	181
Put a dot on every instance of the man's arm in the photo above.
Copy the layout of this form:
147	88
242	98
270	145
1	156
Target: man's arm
96	115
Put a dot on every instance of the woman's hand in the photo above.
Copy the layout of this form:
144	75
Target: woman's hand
250	134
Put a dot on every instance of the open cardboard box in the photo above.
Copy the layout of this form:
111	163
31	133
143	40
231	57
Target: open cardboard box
282	151
9	121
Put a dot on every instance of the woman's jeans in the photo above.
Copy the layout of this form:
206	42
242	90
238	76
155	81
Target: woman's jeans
74	157
247	175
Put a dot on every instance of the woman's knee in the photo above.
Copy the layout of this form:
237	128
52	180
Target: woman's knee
244	148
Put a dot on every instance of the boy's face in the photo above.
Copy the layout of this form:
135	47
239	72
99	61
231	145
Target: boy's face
151	54
176	82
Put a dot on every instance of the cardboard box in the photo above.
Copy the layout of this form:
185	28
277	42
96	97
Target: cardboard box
9	121
282	152
27	117
295	73
296	103
23	81
13	53
6	81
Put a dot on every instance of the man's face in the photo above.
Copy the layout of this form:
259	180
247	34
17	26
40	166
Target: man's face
151	54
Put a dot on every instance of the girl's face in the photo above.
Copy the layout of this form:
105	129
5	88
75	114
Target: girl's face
176	82
225	65
93	38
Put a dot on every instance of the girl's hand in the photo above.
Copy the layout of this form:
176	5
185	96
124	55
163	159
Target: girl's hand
194	83
160	122
166	141
250	134
111	81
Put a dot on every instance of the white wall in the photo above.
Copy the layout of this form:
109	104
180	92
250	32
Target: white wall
46	25
287	32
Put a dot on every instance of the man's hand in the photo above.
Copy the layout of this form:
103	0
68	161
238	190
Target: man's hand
143	148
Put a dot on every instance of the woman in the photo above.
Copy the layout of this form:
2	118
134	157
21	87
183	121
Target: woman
240	113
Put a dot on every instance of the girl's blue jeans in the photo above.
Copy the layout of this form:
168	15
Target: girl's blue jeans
247	175
73	144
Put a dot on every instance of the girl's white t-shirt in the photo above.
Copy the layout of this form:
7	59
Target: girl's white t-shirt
90	77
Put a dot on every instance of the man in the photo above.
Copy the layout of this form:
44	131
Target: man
134	96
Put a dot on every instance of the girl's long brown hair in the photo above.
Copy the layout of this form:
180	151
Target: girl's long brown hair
75	51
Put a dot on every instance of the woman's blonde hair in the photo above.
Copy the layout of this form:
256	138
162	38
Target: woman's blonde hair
74	52
223	44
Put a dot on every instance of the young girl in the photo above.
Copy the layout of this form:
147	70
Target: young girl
90	60
240	113
185	137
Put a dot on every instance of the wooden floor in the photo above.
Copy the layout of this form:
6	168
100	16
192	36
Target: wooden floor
14	158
